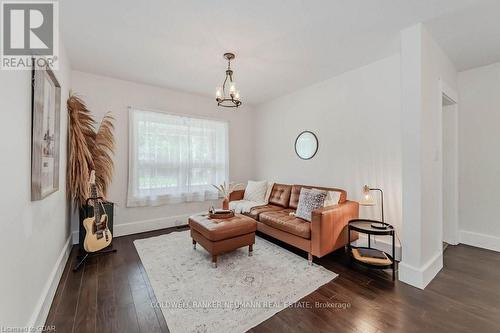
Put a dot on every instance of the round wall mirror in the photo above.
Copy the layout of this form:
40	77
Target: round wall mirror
306	145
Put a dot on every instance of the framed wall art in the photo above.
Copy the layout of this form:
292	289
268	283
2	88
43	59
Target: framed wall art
45	135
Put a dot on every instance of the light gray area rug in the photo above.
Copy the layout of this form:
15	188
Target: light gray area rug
239	294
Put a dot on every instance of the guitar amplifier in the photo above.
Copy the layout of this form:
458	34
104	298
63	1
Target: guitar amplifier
87	211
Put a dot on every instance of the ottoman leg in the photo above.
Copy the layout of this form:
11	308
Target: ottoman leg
250	250
194	244
214	261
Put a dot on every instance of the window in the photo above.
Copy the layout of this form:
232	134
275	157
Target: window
175	158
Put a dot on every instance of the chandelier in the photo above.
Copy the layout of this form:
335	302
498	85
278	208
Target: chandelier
228	97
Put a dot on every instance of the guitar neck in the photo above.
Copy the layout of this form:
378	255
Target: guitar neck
97	211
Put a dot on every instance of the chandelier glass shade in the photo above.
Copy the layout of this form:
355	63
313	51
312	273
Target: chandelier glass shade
227	95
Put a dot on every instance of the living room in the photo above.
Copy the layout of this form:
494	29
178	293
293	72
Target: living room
233	166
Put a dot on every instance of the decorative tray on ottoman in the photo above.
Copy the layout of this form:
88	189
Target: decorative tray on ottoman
221	214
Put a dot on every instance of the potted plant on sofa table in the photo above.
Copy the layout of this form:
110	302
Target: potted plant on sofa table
225	191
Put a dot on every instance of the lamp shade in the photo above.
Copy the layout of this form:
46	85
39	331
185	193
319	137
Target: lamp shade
367	199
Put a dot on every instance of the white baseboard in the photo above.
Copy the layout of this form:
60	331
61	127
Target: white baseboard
149	225
74	236
382	243
144	225
480	240
42	307
420	277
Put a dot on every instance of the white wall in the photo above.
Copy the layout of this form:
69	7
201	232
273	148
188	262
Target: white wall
425	68
479	137
411	142
356	117
437	69
450	174
107	94
34	236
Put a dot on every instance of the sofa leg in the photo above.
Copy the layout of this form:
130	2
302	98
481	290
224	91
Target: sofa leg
310	258
194	244
214	261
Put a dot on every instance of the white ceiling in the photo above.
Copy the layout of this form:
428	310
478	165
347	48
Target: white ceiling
471	36
280	45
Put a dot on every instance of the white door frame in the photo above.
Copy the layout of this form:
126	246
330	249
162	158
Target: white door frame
451	94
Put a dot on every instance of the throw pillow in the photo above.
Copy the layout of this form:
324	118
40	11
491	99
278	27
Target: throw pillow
255	191
332	198
309	200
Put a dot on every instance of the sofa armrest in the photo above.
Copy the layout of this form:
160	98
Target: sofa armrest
236	195
329	227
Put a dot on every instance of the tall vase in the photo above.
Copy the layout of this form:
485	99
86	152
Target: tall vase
225	203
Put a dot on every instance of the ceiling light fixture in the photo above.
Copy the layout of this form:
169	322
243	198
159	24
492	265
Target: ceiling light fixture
228	98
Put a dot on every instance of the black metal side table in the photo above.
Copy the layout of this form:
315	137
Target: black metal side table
364	226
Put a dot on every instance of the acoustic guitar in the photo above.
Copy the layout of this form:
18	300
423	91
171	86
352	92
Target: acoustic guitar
97	235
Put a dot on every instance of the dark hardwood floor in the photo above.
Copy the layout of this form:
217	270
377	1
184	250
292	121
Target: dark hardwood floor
112	293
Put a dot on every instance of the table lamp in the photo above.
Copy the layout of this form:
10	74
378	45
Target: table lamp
368	200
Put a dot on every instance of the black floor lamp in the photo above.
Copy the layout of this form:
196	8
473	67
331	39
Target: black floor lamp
369	201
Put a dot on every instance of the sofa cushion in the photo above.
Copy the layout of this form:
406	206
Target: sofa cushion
294	196
309	200
282	220
280	195
256	211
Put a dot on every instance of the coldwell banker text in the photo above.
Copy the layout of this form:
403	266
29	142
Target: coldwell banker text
30	35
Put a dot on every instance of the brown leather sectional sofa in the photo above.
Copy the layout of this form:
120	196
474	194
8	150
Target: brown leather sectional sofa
326	232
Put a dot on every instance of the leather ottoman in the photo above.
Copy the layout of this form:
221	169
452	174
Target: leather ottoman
222	235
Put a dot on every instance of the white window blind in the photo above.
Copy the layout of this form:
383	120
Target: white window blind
174	158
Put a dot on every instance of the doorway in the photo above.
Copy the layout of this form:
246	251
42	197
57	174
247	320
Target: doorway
450	170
